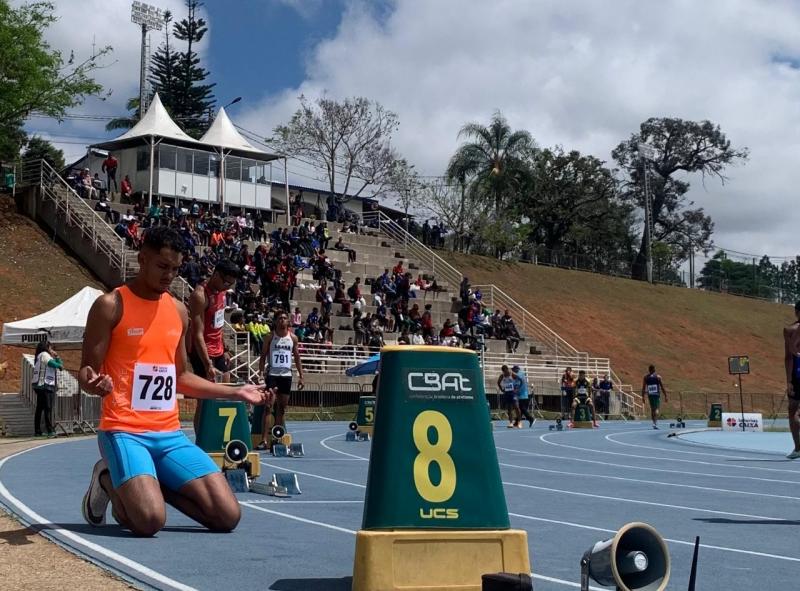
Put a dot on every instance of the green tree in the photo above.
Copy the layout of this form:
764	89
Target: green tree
33	76
194	98
753	278
494	160
680	147
41	149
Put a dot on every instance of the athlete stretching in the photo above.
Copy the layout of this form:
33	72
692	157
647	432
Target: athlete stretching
652	388
791	340
134	357
280	348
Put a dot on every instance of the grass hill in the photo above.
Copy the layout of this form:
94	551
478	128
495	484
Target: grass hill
688	334
35	274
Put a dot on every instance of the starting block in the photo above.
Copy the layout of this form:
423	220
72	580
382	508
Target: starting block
350	436
279	450
288	481
268	488
237	480
582	418
296	450
678	424
223	432
559	426
363	436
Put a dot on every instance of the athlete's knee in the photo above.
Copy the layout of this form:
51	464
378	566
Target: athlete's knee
145	521
226	517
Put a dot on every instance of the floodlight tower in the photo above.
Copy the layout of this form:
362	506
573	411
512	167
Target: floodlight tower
648	152
149	18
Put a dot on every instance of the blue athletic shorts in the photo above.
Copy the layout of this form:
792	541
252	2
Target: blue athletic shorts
168	457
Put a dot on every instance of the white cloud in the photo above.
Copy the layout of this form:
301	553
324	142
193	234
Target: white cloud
102	22
583	74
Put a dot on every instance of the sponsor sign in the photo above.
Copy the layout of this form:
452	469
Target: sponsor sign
732	421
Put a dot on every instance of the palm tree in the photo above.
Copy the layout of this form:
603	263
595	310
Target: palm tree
494	159
129	121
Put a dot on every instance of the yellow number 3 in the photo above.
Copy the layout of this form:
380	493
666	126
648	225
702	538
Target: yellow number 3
428	453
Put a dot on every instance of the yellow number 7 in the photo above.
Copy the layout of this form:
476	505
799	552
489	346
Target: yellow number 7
229	414
430	453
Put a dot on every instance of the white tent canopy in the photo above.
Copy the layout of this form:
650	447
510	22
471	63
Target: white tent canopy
156	123
62	326
223	135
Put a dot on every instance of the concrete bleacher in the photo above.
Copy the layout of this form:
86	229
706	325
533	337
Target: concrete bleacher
376	251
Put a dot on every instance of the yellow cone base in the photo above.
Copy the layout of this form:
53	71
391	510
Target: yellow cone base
365	429
255	464
714	424
428	560
582	425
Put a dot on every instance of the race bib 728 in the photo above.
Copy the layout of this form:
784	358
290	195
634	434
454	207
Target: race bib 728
153	387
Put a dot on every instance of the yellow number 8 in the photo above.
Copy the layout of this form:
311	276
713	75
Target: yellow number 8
428	453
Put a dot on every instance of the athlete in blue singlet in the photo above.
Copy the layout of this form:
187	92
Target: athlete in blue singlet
652	389
791	339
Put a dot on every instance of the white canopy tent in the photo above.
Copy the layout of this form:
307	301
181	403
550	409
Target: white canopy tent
63	325
222	138
226	140
153	128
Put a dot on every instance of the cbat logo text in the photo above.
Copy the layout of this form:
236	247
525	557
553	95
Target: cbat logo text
436	382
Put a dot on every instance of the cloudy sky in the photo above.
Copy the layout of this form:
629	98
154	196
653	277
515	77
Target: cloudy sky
579	73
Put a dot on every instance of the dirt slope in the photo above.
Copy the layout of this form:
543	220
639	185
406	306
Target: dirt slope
687	334
35	275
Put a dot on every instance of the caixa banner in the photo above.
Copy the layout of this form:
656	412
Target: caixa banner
732	421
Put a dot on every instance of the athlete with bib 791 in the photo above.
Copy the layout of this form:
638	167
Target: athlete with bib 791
134	357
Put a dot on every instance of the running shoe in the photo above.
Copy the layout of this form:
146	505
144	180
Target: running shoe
95	501
794	455
655	426
518	425
595	425
510	426
531	422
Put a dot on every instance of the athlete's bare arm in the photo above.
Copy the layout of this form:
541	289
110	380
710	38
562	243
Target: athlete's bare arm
262	361
791	336
197	311
644	386
103	316
199	387
500	382
663	389
297	361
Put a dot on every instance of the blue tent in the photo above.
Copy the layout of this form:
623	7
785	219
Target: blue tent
365	368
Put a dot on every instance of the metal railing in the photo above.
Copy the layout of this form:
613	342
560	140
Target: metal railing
76	212
441	269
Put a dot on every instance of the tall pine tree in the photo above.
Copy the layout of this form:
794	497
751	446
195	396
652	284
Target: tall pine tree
178	78
165	71
195	99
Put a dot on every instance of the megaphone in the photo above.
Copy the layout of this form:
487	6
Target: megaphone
635	559
236	452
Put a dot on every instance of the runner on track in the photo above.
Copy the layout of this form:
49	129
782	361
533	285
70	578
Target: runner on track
652	388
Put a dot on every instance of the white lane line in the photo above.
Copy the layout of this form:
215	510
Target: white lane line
34	518
612	531
640	502
344	453
345	482
295	502
671	541
353	532
674	484
610	437
648	468
543	439
300	519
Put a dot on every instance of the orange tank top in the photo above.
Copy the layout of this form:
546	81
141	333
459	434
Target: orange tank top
141	362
